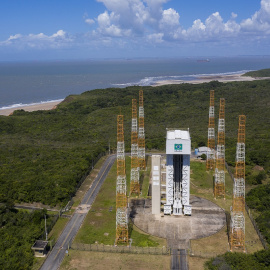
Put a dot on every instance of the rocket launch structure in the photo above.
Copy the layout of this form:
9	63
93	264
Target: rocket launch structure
178	150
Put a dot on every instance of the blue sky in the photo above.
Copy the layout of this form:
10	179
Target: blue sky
83	29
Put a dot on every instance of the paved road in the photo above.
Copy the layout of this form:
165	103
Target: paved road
56	256
179	259
175	260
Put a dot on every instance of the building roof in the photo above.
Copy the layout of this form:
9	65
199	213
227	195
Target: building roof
203	149
178	134
40	245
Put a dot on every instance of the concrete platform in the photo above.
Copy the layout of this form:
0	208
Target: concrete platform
207	218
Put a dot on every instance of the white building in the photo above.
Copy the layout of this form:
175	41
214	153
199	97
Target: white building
178	150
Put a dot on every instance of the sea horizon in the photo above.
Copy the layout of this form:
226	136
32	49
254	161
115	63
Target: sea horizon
31	83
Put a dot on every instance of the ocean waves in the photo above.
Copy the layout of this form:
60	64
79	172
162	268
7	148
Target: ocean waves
19	105
150	81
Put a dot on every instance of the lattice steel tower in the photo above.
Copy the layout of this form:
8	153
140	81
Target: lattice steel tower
237	232
210	162
135	173
121	186
141	135
219	189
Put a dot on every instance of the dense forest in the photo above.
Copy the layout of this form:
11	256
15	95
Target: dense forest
19	230
44	154
259	73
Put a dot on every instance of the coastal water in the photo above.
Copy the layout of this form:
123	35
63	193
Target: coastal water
36	82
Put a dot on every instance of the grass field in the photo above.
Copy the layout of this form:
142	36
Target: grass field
84	260
99	225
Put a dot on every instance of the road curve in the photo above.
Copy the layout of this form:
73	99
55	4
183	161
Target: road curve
54	259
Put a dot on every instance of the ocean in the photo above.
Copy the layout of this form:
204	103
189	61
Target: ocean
26	83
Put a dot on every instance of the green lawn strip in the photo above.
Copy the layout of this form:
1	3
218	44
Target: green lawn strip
142	239
57	229
38	262
99	224
85	185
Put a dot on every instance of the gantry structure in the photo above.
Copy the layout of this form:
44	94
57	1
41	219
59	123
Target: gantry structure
237	230
141	135
121	186
210	161
219	189
135	172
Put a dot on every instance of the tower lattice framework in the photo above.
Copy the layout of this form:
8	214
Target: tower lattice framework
237	232
219	188
121	186
141	135
210	162
135	173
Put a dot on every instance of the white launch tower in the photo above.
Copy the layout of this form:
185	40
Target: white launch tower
178	149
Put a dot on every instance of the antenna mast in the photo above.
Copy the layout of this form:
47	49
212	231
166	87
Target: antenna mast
121	186
237	234
220	155
134	175
141	135
210	162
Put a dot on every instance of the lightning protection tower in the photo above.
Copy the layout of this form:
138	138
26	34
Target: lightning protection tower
141	135
237	232
134	175
220	154
121	186
210	162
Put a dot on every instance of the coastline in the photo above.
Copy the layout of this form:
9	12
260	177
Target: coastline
50	105
209	78
200	79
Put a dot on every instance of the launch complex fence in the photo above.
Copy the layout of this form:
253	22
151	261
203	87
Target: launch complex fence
262	239
121	249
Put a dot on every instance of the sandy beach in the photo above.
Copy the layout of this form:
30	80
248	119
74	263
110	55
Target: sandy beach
201	79
31	108
207	78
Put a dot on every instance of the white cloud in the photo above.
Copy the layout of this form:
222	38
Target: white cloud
89	21
156	38
130	22
260	21
56	40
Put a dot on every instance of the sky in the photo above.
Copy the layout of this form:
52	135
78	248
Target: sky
86	29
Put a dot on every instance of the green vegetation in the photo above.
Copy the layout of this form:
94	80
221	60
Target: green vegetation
259	73
259	200
44	154
19	230
259	260
99	224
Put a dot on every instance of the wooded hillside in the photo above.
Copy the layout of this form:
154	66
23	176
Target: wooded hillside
44	154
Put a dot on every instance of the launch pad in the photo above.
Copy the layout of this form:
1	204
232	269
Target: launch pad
207	219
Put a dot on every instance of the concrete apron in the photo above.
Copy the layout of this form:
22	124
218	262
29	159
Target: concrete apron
207	218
